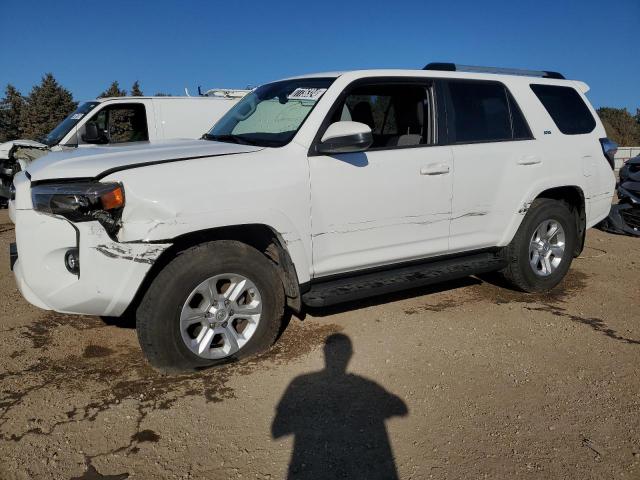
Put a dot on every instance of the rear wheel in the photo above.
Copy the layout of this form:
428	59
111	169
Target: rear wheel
541	252
214	303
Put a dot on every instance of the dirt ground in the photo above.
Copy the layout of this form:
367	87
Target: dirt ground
465	380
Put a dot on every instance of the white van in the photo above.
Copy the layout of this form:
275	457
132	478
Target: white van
117	121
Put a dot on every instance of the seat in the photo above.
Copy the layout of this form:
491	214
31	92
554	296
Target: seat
413	124
362	113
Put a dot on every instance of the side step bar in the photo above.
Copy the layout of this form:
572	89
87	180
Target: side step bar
331	292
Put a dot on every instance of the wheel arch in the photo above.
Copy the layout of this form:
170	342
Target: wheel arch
573	195
262	237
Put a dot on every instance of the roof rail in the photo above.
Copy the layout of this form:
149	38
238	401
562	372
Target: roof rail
454	67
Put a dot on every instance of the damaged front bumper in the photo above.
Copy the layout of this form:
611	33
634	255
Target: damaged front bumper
110	273
14	157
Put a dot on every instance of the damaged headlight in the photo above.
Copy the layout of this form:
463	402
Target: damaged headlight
81	201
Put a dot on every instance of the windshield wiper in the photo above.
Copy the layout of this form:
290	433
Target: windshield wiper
228	138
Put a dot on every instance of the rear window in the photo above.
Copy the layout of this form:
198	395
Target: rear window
483	112
566	108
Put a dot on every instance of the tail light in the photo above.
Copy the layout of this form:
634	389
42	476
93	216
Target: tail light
609	148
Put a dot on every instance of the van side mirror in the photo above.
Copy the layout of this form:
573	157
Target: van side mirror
92	134
345	137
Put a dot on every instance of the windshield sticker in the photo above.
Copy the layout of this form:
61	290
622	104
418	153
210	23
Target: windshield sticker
77	116
306	94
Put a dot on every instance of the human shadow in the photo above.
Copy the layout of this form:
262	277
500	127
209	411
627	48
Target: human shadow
338	421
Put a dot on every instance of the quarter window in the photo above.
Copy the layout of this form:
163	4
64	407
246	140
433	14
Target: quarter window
566	108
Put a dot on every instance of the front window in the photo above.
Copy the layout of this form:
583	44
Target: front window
272	114
64	127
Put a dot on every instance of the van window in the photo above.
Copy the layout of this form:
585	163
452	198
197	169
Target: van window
566	108
122	123
128	123
478	112
398	115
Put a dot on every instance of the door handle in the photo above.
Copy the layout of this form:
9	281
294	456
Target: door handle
530	160
434	169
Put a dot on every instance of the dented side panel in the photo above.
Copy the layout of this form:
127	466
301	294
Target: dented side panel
269	187
379	207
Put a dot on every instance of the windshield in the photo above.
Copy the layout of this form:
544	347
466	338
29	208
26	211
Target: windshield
65	126
271	115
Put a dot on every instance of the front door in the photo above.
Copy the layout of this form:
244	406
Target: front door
391	203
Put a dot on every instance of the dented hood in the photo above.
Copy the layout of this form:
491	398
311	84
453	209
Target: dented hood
92	162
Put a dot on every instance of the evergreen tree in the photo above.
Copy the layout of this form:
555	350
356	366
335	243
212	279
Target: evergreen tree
113	91
46	106
135	89
620	125
10	108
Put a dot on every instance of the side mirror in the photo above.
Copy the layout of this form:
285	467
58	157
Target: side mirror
345	137
92	134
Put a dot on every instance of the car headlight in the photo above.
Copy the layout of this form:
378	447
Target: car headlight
81	201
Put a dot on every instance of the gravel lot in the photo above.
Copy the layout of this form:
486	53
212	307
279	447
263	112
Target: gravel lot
465	380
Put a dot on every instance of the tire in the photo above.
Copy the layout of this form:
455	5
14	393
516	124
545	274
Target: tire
519	271
166	306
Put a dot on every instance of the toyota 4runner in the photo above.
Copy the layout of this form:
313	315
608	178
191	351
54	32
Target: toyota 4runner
312	191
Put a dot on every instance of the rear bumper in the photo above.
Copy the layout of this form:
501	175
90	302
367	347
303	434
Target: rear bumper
598	209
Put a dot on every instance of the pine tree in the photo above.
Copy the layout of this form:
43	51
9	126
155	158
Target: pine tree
113	91
10	108
46	106
135	89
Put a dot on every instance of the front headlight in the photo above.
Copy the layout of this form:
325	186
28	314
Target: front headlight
81	201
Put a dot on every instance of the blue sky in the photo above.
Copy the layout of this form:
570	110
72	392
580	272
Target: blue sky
169	45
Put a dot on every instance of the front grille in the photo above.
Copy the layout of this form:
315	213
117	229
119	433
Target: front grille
631	217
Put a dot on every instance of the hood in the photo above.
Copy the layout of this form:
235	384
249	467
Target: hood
92	162
7	147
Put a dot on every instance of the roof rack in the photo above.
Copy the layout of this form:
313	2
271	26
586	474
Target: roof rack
454	67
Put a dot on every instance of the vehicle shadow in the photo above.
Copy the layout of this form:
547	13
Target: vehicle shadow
338	421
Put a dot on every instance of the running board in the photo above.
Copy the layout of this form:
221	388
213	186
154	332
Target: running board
331	292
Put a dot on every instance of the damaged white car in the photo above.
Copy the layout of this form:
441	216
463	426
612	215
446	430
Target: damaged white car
313	191
118	121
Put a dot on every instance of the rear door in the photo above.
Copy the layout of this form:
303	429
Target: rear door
495	161
391	203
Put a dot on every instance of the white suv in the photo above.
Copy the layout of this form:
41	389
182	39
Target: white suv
316	190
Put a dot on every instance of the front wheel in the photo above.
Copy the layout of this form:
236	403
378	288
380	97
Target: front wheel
541	252
214	303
